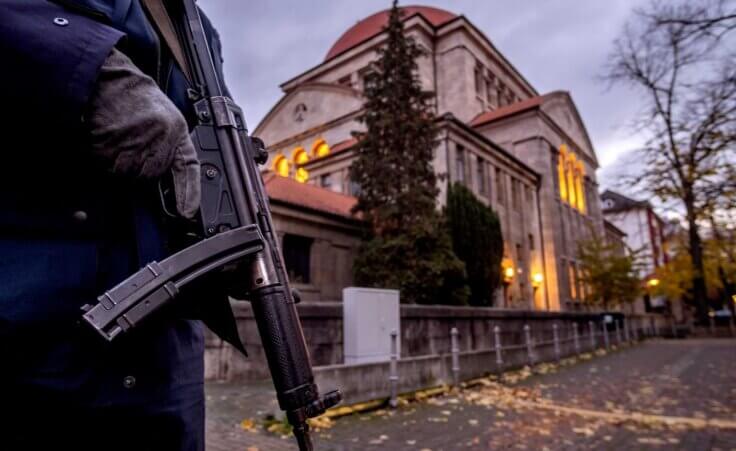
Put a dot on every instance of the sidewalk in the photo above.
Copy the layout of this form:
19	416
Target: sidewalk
623	400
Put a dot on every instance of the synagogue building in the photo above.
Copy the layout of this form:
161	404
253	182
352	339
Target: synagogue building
524	153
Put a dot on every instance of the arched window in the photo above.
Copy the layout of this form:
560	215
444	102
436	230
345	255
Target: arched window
320	148
561	177
281	165
299	156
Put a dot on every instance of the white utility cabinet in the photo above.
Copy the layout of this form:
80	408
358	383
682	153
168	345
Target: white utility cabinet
369	316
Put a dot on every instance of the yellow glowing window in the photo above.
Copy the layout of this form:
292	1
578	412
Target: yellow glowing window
580	189
301	175
561	172
570	169
299	156
320	148
281	166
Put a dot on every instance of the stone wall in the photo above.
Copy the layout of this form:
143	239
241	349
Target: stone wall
425	331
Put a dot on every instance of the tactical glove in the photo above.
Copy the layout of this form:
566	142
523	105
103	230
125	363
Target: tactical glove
137	131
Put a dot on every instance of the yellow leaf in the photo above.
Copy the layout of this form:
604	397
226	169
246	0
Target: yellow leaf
248	425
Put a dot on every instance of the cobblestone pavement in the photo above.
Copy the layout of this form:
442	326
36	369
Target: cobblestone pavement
659	395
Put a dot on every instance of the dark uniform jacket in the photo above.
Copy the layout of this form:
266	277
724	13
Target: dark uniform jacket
69	231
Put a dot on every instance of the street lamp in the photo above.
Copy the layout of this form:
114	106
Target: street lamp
651	283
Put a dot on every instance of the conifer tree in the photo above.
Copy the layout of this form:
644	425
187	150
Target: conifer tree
407	245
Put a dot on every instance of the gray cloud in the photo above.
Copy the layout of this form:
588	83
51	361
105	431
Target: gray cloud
559	44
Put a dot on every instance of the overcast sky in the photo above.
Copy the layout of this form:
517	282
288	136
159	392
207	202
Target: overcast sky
559	44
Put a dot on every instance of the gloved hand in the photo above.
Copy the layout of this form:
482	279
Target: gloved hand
139	132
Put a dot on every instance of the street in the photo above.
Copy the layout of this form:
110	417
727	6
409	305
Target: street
656	395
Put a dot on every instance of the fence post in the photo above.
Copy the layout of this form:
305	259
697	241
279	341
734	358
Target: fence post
556	340
592	334
627	336
656	327
575	338
731	325
605	334
455	350
529	345
497	341
618	333
712	320
394	370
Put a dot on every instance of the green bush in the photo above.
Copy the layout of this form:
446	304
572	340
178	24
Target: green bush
477	241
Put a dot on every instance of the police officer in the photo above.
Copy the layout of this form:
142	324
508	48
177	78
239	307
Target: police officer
93	114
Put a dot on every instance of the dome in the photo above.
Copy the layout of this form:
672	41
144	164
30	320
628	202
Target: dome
372	25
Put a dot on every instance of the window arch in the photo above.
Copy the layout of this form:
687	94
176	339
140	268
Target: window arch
281	165
320	148
299	156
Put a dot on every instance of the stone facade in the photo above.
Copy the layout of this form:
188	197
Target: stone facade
498	136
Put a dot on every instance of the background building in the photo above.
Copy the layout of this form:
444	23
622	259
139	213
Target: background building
526	155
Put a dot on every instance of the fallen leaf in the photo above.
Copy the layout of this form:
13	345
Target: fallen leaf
248	425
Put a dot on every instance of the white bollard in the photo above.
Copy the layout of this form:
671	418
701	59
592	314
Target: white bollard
529	345
605	334
592	335
556	340
497	341
576	338
394	370
455	350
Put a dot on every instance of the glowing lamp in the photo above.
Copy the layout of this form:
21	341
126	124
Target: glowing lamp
508	274
537	279
653	282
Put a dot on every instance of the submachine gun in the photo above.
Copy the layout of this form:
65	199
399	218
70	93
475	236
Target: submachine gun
237	230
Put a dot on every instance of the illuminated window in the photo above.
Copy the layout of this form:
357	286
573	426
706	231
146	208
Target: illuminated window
570	171
573	281
281	166
320	148
561	177
301	175
299	156
580	191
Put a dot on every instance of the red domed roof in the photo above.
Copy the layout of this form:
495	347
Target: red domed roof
374	24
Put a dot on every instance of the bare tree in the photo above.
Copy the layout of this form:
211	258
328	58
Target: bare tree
679	57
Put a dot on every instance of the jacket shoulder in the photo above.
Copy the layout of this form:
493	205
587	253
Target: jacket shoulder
54	54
